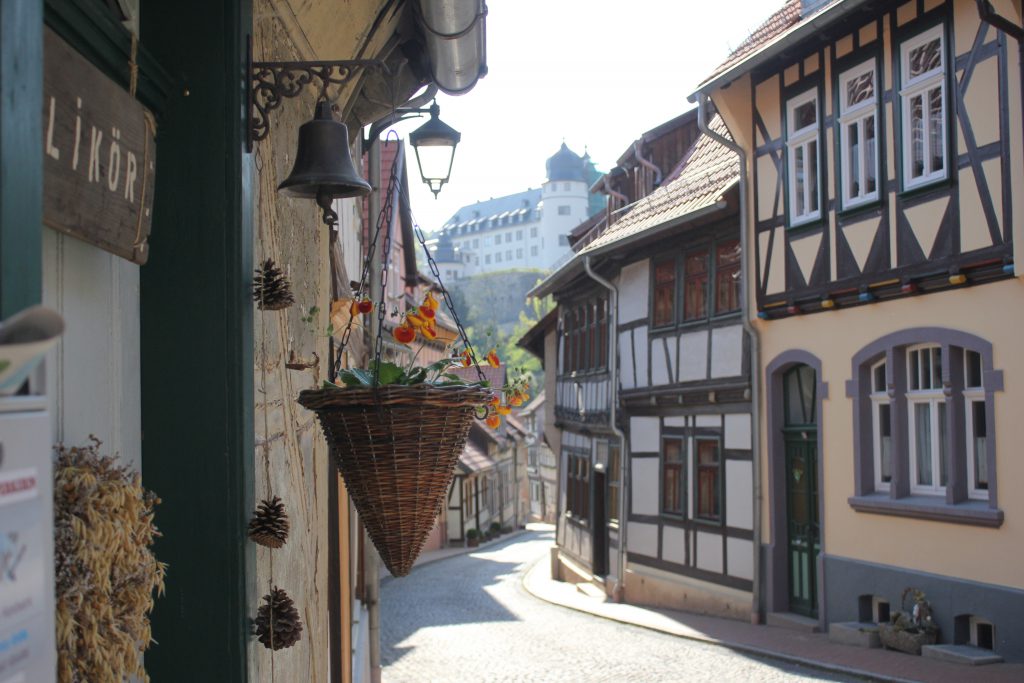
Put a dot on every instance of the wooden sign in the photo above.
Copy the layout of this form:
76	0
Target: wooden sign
99	155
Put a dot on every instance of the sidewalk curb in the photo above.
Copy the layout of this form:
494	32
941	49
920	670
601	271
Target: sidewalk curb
527	580
423	562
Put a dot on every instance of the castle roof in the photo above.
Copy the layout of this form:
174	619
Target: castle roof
517	208
566	164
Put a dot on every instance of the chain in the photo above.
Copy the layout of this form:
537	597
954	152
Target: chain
384	222
364	279
448	302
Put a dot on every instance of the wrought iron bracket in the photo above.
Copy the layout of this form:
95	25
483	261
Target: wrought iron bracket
268	84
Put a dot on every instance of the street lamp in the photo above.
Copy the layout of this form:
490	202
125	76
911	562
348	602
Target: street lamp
434	143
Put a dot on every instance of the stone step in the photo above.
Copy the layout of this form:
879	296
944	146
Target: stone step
961	654
856	633
590	590
797	622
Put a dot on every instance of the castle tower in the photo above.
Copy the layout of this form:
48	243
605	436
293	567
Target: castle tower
565	203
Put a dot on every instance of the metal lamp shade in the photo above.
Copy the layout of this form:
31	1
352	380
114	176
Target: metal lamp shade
435	143
323	163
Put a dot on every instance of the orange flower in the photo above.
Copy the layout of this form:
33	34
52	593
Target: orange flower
365	306
428	331
430	302
494	400
404	334
427	312
492	358
415	320
493	421
353	310
503	409
516	400
467	359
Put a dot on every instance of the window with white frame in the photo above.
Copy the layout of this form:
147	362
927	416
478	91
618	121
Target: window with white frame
858	116
923	102
926	408
976	425
802	142
881	421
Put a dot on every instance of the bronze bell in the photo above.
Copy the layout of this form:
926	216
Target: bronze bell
323	165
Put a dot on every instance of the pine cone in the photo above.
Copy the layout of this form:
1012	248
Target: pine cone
270	288
269	525
277	624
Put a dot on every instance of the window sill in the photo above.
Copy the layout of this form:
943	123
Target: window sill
973	512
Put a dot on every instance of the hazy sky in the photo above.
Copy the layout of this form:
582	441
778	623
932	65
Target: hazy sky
595	73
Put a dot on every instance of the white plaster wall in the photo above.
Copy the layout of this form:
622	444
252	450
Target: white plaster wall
709	551
634	291
693	356
643	539
676	421
673	545
644	486
626	377
93	377
727	351
640	347
740	556
644	434
739	507
737	431
660	360
708	421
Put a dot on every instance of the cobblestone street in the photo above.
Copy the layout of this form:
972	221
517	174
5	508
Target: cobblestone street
468	618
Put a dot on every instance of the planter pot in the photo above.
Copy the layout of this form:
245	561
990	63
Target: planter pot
396	448
472	542
905	641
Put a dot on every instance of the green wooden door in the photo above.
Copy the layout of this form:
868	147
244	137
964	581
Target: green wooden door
802	522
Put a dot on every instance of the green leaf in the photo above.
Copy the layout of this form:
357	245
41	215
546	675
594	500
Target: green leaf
388	373
417	376
440	365
355	377
328	385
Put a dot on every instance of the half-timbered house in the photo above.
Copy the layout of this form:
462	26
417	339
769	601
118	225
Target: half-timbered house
668	479
882	143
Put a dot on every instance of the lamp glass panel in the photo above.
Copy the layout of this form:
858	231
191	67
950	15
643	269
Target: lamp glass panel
435	161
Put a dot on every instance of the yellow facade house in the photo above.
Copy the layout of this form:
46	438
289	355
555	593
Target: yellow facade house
883	158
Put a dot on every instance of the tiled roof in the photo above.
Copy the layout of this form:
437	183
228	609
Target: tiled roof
707	170
496	376
474	458
783	18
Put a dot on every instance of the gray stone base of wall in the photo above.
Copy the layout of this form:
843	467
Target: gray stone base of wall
953	601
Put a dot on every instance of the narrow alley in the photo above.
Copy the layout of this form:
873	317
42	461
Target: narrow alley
469	618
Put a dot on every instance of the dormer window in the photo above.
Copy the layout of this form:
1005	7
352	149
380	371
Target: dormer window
802	142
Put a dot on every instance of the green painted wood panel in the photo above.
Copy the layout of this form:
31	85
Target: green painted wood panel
21	154
197	342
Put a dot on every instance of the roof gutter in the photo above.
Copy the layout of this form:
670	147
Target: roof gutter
613	374
800	33
573	265
647	163
455	31
755	351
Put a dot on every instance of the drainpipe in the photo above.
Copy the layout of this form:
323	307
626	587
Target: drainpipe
613	374
647	163
988	14
755	350
372	559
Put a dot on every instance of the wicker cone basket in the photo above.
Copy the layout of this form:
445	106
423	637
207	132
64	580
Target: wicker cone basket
396	447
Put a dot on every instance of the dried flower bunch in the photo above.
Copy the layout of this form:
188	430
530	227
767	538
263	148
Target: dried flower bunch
271	289
277	624
106	571
269	525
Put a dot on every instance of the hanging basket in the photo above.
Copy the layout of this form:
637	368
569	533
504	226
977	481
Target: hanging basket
396	447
